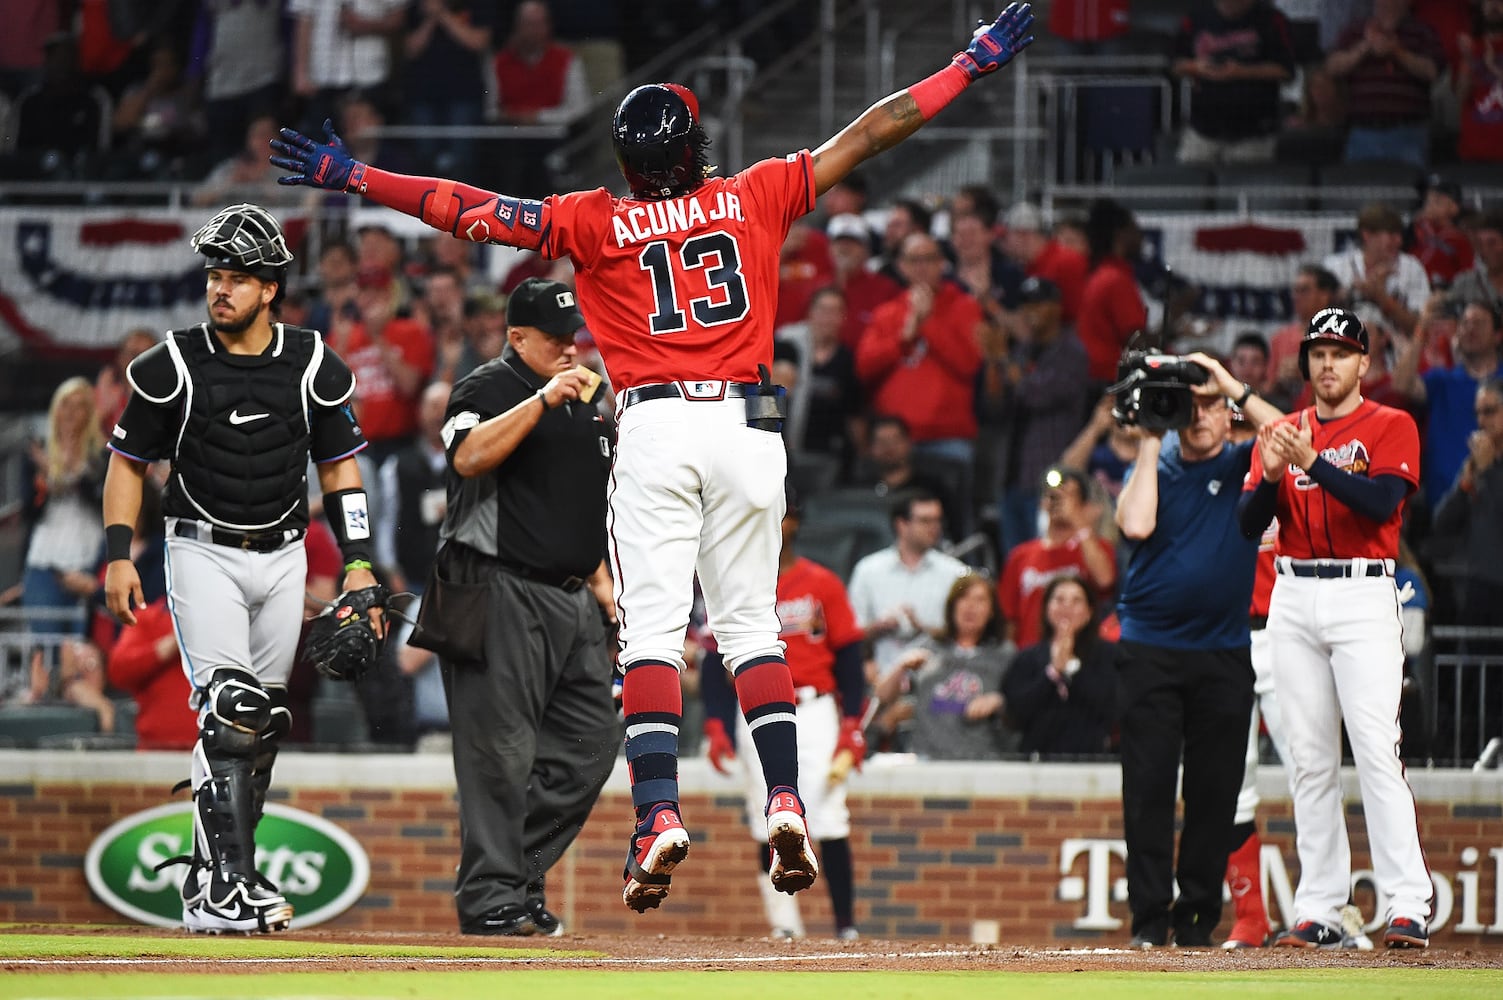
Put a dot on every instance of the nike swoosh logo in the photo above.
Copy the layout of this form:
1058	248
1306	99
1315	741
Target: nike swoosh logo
237	419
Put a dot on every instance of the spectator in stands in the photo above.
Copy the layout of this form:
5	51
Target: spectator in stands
1478	82
1377	271
1069	231
1434	238
61	496
144	662
1249	364
1484	283
156	124
954	679
905	218
804	267
899	592
832	401
1316	131
847	197
442	82
379	261
1111	309
340	48
237	58
1236	55
890	471
919	357
414	501
1089	27
360	122
1389	61
1103	448
247	176
28	25
1314	289
1034	395
982	269
1029	244
864	289
1472	512
978	200
63	117
391	367
441	310
1070	546
538	82
1061	691
337	284
1449	394
110	388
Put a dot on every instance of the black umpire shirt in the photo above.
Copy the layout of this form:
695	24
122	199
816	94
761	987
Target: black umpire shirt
544	507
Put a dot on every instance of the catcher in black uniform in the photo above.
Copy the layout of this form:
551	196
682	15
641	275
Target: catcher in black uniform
238	404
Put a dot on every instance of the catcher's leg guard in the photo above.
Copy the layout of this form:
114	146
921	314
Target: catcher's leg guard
278	725
223	891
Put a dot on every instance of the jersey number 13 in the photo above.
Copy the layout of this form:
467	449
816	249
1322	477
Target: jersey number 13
718	253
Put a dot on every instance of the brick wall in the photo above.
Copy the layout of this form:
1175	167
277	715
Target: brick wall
927	865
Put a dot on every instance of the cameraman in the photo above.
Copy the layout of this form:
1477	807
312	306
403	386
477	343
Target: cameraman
1184	667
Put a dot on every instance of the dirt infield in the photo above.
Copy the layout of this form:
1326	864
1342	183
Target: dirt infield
704	953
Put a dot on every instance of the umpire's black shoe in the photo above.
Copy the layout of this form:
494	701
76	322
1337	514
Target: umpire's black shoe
546	921
505	921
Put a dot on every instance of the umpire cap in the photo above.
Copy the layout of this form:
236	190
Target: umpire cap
547	305
1336	326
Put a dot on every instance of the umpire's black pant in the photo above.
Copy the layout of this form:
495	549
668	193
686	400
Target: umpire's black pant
535	737
1194	704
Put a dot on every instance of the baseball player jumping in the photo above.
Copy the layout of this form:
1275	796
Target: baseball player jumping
678	283
238	404
1337	475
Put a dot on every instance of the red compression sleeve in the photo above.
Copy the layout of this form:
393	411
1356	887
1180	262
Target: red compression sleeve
932	94
436	201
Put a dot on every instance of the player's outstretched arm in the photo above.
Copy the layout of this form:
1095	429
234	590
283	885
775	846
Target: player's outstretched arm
469	213
897	116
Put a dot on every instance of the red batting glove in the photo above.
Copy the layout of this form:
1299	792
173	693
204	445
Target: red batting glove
718	745
853	739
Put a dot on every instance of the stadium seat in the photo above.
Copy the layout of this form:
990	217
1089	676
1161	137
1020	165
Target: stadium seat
1179	177
29	725
1261	183
1349	186
811	472
1305	146
1118	121
1479	181
833	546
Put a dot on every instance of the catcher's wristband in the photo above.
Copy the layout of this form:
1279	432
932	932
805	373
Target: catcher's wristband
117	538
932	93
348	512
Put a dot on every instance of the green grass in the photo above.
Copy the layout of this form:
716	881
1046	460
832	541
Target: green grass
1326	984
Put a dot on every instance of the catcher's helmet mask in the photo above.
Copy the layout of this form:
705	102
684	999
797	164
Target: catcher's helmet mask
244	238
1332	326
661	148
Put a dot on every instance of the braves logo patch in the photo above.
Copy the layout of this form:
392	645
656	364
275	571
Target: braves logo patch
1351	456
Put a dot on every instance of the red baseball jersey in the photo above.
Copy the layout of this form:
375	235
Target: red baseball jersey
817	620
1027	574
685	288
1262	588
1370	441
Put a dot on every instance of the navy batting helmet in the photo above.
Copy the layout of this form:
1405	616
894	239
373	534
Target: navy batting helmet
244	238
1335	326
660	145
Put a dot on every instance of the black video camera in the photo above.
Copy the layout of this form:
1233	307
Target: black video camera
1155	391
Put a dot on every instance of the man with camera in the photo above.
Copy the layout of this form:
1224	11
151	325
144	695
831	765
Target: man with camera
1185	670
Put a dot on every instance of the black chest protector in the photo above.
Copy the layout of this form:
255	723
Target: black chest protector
242	451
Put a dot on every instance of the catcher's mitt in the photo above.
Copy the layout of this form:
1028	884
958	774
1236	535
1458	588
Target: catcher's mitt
342	644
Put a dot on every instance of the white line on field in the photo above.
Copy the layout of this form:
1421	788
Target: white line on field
480	960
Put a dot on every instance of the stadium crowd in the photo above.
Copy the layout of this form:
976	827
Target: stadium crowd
945	357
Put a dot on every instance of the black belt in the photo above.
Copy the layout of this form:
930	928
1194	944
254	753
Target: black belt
250	541
568	584
671	390
1333	570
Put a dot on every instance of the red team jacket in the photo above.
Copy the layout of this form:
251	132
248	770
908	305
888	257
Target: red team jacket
817	620
1371	441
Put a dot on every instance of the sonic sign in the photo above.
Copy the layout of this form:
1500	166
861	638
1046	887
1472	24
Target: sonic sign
320	868
1457	899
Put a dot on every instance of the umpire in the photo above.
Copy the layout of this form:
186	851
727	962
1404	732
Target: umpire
519	606
1184	661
